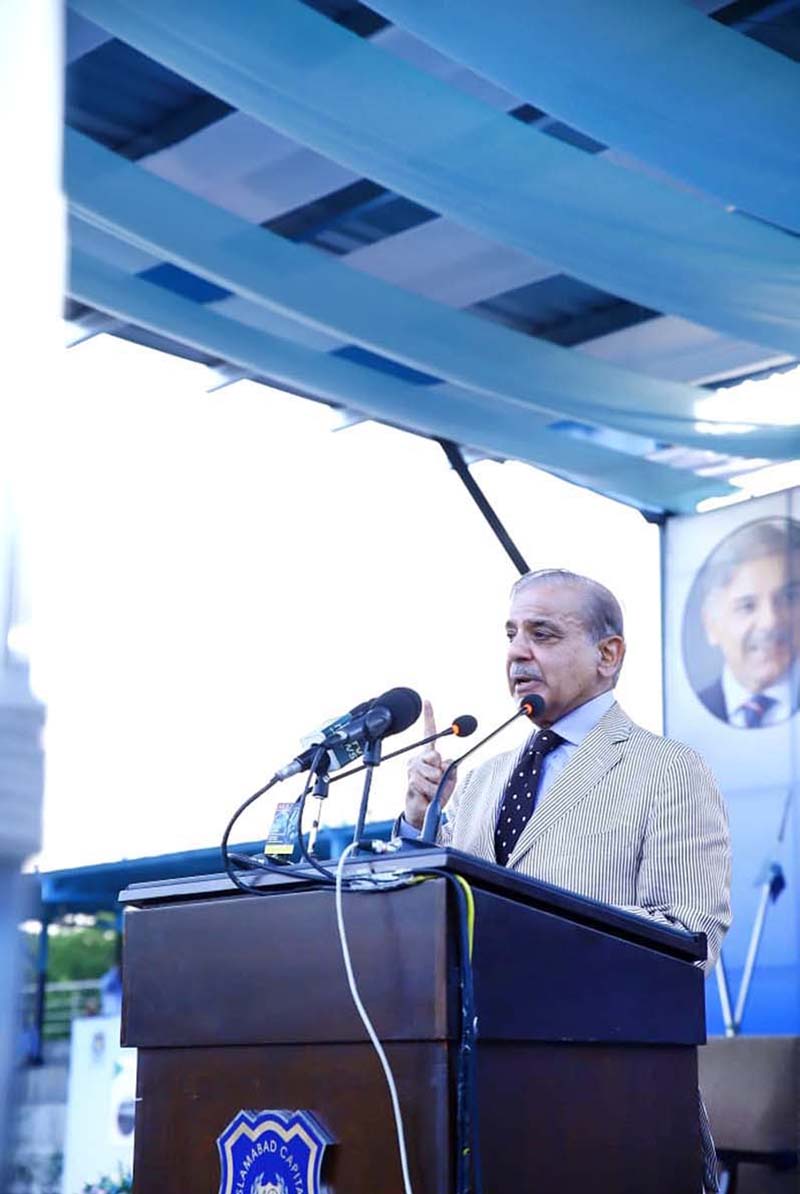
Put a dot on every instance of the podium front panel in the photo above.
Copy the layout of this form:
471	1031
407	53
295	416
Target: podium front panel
239	970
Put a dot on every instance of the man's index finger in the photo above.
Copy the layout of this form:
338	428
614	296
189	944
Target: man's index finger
428	719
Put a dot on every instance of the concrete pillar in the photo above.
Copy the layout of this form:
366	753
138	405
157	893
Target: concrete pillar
31	249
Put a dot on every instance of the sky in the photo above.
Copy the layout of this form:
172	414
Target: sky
220	573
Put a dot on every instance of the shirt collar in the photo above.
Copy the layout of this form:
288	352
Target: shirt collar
781	692
574	726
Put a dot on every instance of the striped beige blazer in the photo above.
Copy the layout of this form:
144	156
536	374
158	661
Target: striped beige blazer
633	819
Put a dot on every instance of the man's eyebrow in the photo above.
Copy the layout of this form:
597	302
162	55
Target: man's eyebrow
536	624
543	624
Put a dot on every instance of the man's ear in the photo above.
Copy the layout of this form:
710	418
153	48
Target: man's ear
611	652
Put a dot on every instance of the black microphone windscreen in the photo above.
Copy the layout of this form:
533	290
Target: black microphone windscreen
465	725
405	706
533	706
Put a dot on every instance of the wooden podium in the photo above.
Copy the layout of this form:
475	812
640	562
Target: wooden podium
588	1023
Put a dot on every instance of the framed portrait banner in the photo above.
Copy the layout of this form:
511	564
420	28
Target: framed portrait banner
731	582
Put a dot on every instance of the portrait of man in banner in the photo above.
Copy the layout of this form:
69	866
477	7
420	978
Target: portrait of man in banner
741	635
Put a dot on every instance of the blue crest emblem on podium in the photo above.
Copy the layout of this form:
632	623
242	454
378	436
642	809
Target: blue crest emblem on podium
272	1152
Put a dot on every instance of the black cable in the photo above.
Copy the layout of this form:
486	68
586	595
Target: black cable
226	859
263	864
468	1166
286	870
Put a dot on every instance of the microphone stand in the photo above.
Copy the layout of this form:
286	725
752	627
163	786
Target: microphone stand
433	813
372	758
319	792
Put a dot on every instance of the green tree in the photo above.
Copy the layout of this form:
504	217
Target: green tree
77	949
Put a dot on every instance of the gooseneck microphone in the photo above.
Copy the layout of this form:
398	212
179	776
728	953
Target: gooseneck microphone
530	706
461	726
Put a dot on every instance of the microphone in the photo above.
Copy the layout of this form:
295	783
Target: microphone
530	706
390	713
461	727
344	738
336	758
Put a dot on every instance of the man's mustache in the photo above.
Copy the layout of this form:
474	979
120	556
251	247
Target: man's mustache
519	671
757	640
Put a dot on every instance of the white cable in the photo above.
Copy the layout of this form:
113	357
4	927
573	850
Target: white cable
362	1011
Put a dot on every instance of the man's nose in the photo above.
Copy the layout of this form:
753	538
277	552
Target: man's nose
768	615
520	647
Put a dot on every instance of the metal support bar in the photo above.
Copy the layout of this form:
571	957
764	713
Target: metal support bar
771	882
37	1056
457	462
752	953
723	987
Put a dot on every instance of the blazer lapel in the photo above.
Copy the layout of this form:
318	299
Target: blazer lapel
600	750
481	841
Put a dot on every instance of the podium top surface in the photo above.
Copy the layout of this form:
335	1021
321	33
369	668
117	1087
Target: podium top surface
666	939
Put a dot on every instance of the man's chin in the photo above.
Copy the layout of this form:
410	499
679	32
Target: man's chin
764	677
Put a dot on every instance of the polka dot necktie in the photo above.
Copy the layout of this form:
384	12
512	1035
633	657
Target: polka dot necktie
754	709
519	798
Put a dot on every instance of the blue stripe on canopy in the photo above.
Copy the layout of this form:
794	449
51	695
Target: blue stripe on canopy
492	427
294	69
119	197
670	85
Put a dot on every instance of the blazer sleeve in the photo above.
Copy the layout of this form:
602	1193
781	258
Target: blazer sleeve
684	872
445	835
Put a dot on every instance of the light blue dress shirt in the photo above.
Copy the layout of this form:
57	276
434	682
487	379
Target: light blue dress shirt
573	728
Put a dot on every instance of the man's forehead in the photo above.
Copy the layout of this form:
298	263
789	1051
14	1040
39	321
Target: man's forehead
765	572
554	603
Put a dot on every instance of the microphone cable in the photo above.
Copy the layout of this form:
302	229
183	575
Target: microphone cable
227	861
467	1160
468	1170
367	1022
461	727
285	869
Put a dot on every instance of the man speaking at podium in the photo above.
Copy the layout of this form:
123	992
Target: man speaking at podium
592	802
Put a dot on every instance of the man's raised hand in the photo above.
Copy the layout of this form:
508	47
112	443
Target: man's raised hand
425	770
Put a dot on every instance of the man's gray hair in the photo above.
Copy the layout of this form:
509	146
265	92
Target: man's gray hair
601	611
754	541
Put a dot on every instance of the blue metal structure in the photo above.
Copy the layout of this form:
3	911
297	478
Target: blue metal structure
51	895
91	889
379	210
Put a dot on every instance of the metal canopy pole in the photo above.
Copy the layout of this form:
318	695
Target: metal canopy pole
459	464
36	1056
